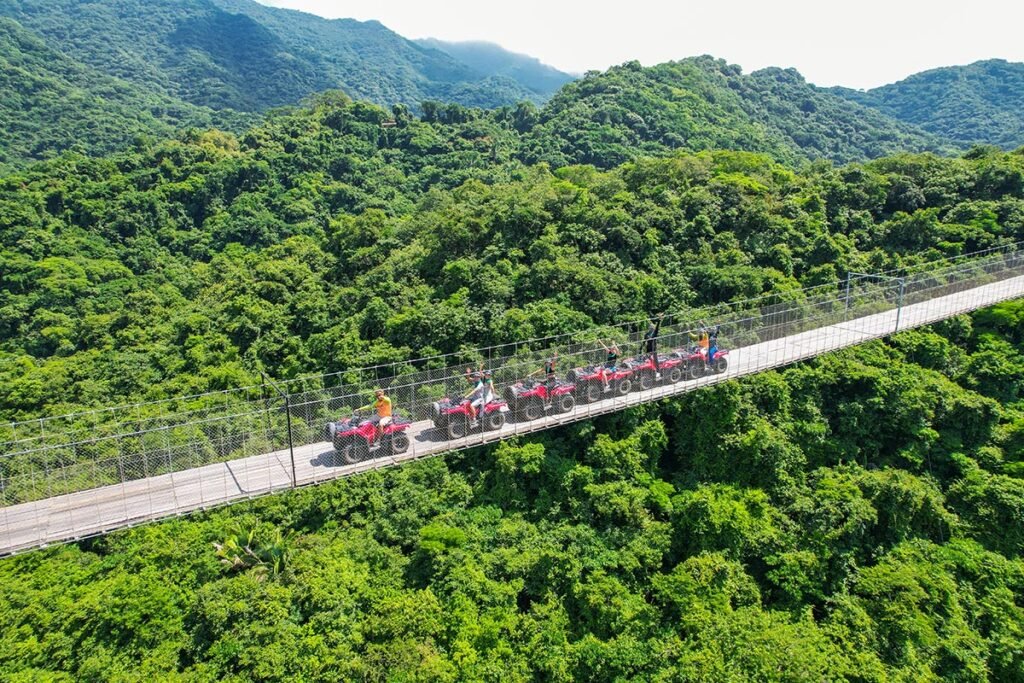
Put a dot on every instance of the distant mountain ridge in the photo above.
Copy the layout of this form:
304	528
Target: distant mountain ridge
239	54
980	103
93	76
490	59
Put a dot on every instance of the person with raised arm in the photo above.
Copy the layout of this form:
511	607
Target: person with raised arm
549	373
650	342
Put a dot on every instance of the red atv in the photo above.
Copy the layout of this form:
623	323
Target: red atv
645	374
590	385
454	418
695	362
355	437
529	399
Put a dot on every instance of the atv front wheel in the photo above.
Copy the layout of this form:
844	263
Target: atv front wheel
355	452
675	374
592	392
494	421
721	365
398	443
645	381
530	411
457	427
623	386
564	403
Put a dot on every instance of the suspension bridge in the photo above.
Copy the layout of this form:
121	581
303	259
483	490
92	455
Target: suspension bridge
89	473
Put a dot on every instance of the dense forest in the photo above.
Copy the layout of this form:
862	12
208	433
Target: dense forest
981	103
320	240
855	517
50	104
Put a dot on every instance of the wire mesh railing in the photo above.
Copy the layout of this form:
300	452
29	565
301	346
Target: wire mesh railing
163	458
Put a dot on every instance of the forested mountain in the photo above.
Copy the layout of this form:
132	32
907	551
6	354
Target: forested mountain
982	103
493	60
49	104
854	517
704	103
238	54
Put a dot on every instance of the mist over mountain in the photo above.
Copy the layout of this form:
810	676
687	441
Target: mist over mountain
493	60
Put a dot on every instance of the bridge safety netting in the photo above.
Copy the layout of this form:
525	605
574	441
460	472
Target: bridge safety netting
278	429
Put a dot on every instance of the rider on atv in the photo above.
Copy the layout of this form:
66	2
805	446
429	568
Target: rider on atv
549	374
481	394
700	339
610	361
707	342
383	407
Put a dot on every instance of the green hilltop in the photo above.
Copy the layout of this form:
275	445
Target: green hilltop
982	103
705	103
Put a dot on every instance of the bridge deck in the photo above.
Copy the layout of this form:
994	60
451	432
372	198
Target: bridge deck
86	513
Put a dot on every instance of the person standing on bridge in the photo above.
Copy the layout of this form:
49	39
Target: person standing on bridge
383	407
549	373
650	343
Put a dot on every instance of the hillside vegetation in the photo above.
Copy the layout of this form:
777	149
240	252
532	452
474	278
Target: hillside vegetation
982	103
50	104
161	66
703	103
241	55
321	240
855	517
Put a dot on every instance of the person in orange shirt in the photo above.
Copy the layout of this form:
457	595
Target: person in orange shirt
383	407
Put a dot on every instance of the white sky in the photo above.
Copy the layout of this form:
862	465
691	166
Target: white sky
856	43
